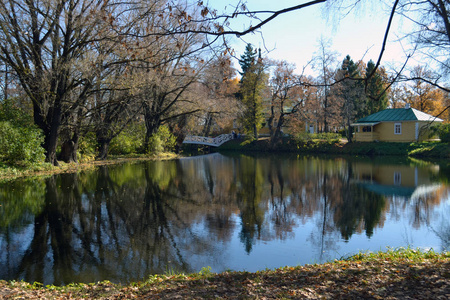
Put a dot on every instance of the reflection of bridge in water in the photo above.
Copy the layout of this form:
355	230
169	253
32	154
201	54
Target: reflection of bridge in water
208	141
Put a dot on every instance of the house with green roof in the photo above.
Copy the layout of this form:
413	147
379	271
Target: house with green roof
394	125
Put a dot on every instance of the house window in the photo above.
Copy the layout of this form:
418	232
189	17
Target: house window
398	128
367	129
397	178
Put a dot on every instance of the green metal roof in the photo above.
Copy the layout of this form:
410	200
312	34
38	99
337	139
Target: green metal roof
398	114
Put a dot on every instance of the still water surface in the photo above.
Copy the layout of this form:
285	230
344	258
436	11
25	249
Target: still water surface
230	212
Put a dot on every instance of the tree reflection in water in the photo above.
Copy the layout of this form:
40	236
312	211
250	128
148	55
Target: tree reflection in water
125	222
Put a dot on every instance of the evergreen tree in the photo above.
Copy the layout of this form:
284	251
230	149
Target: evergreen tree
375	90
252	85
351	93
248	59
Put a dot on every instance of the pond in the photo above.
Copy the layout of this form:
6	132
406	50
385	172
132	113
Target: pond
224	211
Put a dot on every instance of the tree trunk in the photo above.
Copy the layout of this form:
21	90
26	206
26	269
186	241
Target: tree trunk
207	127
325	115
69	150
271	118
50	124
443	13
50	148
70	145
255	131
275	138
5	88
255	114
350	132
152	123
103	148
51	136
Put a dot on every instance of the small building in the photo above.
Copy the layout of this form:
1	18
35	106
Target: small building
395	125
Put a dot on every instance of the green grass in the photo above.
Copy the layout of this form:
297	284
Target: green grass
430	149
399	254
10	172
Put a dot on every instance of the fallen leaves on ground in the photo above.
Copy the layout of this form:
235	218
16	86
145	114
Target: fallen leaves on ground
378	278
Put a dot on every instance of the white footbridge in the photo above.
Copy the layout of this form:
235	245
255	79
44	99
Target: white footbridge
203	140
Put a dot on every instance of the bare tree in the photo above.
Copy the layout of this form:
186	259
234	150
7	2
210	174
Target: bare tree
432	31
63	52
324	61
217	92
287	98
40	41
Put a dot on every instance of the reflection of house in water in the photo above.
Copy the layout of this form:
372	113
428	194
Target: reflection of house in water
395	180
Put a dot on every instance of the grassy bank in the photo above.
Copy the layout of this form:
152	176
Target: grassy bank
394	274
12	172
425	149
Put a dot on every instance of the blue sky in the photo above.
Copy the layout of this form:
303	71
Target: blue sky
294	36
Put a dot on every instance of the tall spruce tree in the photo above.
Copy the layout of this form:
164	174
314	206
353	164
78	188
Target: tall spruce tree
375	89
351	92
248	59
252	85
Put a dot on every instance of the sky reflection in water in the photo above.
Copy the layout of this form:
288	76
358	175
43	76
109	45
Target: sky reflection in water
239	212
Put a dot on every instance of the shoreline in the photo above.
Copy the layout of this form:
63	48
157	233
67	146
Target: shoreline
392	274
424	151
432	149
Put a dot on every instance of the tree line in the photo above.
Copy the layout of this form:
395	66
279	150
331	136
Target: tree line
89	67
90	74
339	94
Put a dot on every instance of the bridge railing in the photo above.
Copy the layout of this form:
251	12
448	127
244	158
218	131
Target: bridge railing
203	140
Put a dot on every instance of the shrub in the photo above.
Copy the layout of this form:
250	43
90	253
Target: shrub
20	145
87	147
162	141
13	114
20	139
302	137
128	141
155	144
329	137
443	131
